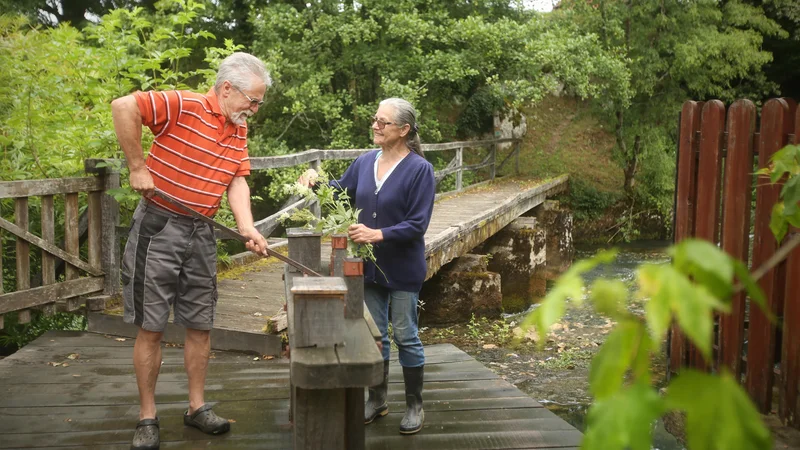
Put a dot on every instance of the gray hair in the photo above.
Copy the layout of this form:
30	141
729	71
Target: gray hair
405	114
238	68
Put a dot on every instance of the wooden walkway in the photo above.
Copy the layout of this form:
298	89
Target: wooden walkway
91	401
459	223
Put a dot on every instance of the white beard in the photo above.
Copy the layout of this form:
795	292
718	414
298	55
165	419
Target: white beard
240	118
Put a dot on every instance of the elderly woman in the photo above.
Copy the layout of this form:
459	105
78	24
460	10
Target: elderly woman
394	187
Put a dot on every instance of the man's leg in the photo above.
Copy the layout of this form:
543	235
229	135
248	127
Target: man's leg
196	352
147	363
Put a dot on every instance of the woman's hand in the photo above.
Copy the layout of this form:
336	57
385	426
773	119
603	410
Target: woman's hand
308	178
361	234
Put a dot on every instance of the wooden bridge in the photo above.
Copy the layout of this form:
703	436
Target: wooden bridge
70	390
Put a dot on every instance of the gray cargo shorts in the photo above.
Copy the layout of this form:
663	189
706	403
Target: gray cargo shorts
170	259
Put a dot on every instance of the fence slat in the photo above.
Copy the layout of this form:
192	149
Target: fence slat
789	408
685	194
709	175
762	335
790	354
736	223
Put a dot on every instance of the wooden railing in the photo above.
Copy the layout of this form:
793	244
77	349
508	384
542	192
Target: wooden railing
719	152
80	277
100	274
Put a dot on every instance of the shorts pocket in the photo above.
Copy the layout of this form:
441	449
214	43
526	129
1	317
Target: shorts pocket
152	225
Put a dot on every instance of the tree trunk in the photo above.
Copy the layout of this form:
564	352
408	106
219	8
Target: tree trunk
632	166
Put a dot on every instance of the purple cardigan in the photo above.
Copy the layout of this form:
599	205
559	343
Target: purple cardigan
401	210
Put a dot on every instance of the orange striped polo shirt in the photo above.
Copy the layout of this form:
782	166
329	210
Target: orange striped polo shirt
195	154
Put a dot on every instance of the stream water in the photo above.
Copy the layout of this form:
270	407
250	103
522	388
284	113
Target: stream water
629	258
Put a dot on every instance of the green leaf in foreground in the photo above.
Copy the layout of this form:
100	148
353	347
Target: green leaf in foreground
719	414
615	357
609	297
568	286
623	421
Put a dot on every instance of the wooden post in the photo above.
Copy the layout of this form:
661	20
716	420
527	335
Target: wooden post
316	207
762	333
302	244
338	254
304	247
354	279
49	235
354	309
516	157
736	223
318	312
460	171
23	254
493	159
314	430
72	243
109	210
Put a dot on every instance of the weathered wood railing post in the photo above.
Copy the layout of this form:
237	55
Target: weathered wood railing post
105	208
316	207
459	164
338	254
23	254
328	372
353	271
493	161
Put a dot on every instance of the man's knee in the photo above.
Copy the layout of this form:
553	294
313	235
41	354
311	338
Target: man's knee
149	337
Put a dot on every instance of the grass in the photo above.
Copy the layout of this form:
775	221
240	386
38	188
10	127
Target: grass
563	137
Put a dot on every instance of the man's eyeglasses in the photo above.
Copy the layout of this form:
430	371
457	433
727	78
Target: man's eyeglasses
381	123
253	101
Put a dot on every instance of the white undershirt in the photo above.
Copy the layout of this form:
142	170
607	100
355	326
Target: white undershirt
378	182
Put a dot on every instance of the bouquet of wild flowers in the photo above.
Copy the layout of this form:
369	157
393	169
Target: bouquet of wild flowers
337	213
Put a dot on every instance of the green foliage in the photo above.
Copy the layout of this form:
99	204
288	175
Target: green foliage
337	213
331	66
697	284
587	201
785	163
18	335
713	403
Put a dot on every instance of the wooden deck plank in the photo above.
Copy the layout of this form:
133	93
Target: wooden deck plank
467	406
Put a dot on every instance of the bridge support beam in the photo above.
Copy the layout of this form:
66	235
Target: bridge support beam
556	220
506	273
518	253
460	289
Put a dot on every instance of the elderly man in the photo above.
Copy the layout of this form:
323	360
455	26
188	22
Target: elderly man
199	152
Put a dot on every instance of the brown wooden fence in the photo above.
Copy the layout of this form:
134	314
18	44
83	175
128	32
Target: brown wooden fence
719	151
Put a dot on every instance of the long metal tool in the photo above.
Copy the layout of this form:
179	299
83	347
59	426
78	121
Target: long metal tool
231	233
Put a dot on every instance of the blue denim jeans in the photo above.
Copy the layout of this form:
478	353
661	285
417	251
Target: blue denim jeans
404	322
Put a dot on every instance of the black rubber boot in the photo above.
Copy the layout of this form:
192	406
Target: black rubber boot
376	405
415	416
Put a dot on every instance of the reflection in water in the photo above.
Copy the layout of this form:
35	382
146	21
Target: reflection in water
629	258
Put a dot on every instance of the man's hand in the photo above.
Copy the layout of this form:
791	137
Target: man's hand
308	178
361	234
256	243
142	182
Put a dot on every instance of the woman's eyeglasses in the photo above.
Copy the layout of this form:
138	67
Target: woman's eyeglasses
381	123
253	101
